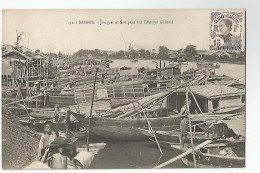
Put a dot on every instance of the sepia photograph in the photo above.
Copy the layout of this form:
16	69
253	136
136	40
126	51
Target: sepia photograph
123	89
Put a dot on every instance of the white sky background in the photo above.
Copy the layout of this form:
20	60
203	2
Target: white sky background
49	30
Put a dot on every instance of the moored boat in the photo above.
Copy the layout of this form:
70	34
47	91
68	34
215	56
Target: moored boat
218	155
162	109
126	129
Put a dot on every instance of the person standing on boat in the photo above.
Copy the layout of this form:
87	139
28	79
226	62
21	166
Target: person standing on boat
183	129
184	109
184	122
69	121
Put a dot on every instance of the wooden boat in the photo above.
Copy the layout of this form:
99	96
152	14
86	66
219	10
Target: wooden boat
129	129
216	99
207	65
169	136
134	60
183	63
122	123
217	155
125	129
62	100
201	132
38	118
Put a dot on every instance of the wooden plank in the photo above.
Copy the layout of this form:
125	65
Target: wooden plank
183	154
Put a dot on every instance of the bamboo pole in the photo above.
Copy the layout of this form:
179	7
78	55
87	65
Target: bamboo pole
191	135
91	108
27	113
150	128
194	98
27	99
183	154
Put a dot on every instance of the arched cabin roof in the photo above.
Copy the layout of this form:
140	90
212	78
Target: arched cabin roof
213	91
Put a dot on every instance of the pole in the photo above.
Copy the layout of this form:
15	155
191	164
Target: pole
150	128
22	97
194	98
91	108
191	135
183	154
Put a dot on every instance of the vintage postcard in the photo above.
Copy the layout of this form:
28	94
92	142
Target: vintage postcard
123	89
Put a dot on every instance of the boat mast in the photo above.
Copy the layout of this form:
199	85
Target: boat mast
91	109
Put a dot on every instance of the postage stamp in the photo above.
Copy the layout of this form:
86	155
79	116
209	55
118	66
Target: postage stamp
227	31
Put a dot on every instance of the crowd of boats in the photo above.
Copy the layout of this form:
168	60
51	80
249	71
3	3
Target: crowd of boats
130	104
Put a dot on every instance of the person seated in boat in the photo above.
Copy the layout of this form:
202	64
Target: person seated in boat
83	160
38	86
221	130
56	112
129	78
70	121
46	139
163	78
67	87
162	112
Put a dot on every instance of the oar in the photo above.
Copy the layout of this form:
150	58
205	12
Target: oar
150	128
183	154
91	108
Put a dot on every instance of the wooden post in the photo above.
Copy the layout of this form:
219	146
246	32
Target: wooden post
191	135
91	108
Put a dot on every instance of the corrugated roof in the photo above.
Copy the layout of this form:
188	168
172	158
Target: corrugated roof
214	91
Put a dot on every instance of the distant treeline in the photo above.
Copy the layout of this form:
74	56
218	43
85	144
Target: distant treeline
189	53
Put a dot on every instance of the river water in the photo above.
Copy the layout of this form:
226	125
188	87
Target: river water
233	70
146	154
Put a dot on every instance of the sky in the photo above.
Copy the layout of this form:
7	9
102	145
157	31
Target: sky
51	31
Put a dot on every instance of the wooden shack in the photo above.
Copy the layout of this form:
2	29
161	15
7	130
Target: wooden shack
14	67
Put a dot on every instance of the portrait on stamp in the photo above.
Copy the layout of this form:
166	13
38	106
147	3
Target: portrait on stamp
226	31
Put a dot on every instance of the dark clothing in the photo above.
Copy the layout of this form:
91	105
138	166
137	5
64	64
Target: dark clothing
227	38
162	113
57	117
222	130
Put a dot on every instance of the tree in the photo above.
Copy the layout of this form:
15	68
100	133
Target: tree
163	52
133	53
190	51
180	51
141	52
37	51
60	54
147	53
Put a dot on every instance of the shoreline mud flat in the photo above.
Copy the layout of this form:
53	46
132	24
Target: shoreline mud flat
19	146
